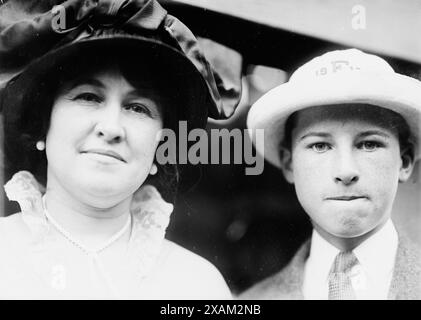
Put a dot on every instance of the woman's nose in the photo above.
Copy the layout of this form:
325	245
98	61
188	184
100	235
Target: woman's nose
346	168
109	126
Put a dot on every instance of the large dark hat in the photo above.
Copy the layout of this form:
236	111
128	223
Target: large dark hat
37	38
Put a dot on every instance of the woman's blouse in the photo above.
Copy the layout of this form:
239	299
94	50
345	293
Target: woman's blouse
40	261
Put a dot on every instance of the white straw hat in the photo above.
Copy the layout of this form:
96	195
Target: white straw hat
336	77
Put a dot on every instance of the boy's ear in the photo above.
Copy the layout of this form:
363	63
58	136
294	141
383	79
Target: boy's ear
286	161
407	156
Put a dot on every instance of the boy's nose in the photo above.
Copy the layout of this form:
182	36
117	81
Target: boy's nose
347	179
346	171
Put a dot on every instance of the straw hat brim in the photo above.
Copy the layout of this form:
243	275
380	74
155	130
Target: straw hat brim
392	91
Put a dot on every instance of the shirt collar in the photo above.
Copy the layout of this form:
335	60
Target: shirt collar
322	255
376	254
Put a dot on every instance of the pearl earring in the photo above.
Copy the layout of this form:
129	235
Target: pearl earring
40	145
154	169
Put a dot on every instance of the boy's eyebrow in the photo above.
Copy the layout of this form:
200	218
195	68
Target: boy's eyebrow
360	135
316	134
372	133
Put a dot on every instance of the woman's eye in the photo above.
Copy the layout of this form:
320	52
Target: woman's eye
320	147
88	97
369	145
138	108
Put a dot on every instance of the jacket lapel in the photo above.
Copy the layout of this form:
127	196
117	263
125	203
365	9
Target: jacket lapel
287	284
284	285
406	281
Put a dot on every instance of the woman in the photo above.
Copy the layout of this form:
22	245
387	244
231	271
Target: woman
83	111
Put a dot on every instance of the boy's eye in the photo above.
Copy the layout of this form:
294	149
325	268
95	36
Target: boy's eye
137	108
369	145
88	97
320	147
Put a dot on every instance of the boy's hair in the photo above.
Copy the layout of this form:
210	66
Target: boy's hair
384	117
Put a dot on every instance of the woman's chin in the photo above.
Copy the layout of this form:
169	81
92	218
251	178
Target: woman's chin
101	199
106	189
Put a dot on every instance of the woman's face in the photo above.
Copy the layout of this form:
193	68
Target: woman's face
102	138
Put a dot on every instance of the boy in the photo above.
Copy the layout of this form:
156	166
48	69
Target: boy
345	131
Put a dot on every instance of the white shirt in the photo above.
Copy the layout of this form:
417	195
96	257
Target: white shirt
371	278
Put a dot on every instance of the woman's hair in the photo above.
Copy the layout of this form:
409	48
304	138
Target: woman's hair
383	117
21	138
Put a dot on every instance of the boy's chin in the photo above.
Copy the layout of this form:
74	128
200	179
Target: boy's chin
349	231
345	228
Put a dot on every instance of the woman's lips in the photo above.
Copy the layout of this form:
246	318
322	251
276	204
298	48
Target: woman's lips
104	152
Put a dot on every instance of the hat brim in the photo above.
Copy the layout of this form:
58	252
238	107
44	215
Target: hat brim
169	62
393	91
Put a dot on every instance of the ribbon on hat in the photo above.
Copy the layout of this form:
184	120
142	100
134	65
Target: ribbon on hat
31	28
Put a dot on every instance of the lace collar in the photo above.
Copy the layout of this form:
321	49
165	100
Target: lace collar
150	219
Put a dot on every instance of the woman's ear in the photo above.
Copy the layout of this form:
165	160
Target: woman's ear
153	170
286	162
407	156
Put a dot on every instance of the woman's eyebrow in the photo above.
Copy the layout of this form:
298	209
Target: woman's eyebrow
140	92
372	133
316	134
86	81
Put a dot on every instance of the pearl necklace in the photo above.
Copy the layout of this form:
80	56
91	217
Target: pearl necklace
76	243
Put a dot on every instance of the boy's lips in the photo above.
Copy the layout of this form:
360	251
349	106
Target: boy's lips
346	197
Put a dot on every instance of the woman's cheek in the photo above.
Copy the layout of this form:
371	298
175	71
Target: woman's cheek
143	143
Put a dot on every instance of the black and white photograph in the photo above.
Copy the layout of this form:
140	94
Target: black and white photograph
225	152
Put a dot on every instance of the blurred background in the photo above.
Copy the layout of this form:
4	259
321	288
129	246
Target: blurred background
250	226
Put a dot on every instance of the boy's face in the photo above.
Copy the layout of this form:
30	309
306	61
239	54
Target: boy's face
345	168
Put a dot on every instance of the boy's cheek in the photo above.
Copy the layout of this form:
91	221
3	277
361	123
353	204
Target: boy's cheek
310	171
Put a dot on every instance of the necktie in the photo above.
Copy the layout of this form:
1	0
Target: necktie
340	285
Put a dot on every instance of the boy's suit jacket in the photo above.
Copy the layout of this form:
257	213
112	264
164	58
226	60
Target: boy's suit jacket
287	284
